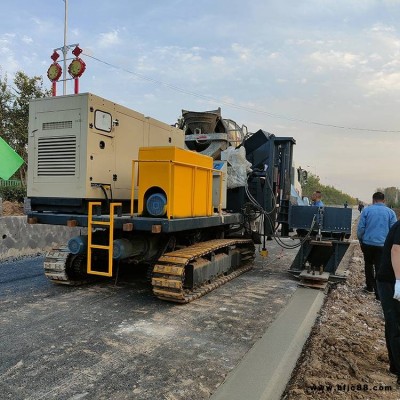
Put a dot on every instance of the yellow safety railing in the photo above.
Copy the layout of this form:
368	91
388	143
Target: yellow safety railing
108	224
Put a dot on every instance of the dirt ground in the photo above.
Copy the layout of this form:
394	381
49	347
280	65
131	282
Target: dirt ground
345	356
12	208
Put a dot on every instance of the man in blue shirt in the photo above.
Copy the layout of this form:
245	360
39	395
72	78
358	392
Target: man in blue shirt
373	227
316	198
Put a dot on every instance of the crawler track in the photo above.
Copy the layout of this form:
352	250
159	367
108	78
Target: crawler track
169	272
168	278
63	268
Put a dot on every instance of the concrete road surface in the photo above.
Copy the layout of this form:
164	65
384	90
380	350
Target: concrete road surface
116	341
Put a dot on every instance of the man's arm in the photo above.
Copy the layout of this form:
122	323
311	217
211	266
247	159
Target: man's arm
393	218
395	255
361	227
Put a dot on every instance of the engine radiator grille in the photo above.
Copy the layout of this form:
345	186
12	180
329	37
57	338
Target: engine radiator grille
56	156
48	126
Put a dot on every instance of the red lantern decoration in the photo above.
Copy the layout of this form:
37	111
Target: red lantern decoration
76	68
54	72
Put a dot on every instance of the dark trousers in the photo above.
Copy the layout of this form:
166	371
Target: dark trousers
372	259
391	311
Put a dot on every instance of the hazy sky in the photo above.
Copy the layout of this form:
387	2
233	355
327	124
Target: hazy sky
293	68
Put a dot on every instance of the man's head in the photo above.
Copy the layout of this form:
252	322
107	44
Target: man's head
378	197
313	197
318	195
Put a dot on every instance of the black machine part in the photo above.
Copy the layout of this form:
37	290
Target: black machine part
324	248
333	222
270	182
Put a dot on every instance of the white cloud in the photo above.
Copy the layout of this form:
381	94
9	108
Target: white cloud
42	25
7	36
379	27
218	60
375	57
384	83
334	60
8	60
312	42
384	37
149	96
6	42
244	53
109	39
175	53
392	65
274	56
27	39
75	32
10	63
144	64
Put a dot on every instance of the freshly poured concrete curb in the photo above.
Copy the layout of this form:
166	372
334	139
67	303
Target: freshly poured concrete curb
266	369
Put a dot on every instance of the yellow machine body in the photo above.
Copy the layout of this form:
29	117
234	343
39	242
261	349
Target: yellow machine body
183	176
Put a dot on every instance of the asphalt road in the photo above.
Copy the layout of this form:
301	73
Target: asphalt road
116	341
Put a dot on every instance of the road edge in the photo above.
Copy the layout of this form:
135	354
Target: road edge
265	371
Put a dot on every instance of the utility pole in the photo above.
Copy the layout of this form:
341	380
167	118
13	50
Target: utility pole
65	48
76	68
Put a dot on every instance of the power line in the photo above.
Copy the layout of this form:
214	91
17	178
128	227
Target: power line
236	106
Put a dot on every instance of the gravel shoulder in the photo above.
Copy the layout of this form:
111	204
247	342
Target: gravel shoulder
345	356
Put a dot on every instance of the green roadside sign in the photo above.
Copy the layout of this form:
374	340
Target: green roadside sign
10	161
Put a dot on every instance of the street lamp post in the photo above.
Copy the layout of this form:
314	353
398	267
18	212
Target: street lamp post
76	68
65	48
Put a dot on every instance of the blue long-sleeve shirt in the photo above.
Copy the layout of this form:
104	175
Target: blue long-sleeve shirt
375	222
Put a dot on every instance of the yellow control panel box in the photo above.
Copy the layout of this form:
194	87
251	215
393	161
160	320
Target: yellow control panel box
174	183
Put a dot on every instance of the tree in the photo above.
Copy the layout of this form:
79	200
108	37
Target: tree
392	195
14	112
331	196
311	185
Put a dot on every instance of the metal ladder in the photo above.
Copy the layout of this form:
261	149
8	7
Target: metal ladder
108	224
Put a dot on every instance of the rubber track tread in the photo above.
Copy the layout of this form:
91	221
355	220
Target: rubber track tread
55	267
167	273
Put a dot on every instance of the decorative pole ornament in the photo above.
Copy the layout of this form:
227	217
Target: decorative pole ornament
76	68
54	72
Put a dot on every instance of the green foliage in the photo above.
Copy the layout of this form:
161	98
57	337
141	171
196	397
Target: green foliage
13	193
330	195
14	111
392	196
